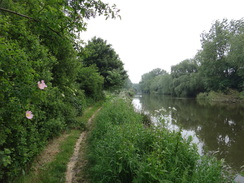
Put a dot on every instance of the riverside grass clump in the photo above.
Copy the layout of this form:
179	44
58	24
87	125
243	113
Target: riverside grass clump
122	149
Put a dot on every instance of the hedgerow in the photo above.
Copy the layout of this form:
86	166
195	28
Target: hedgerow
22	135
39	65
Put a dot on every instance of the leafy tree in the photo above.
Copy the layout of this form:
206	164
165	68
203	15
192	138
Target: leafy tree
136	87
220	67
147	84
128	84
91	82
186	81
154	85
165	84
98	52
38	42
236	54
184	67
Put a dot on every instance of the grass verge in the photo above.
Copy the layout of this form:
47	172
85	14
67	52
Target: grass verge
121	149
54	171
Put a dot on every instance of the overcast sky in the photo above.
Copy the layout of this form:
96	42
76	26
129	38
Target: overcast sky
159	33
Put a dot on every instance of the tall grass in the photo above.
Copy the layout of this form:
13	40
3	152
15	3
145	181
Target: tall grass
121	149
54	171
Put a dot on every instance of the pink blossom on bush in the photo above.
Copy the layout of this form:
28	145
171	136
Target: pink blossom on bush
41	84
29	114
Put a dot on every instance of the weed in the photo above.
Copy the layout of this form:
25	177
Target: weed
121	149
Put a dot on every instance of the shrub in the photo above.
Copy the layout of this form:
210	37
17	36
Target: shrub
25	62
202	96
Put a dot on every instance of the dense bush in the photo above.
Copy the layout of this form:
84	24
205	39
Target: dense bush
122	149
228	96
53	109
39	66
91	82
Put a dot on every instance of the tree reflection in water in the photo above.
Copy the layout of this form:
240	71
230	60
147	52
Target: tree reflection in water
216	128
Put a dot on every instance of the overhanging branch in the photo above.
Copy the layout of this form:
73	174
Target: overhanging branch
13	12
30	18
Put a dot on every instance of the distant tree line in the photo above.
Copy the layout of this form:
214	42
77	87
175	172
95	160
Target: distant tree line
218	66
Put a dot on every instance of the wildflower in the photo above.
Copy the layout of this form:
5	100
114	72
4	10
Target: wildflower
41	84
29	114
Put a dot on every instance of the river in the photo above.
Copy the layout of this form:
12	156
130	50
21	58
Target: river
216	128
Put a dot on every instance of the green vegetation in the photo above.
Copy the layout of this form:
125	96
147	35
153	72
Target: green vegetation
218	66
44	84
98	52
230	96
122	149
55	171
88	113
47	79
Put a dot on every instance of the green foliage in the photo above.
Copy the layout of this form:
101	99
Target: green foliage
228	96
185	67
91	82
53	171
149	80
109	65
128	84
218	66
34	47
122	150
241	95
184	81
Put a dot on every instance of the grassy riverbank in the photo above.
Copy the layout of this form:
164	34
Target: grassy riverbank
231	96
122	149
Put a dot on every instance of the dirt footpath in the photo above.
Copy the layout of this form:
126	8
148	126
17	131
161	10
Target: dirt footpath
75	167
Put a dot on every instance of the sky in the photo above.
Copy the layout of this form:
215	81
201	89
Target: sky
159	33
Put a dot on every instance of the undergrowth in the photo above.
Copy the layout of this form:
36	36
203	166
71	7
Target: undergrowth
121	149
229	96
54	172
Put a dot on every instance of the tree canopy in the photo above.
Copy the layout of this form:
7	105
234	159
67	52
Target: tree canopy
43	84
101	54
218	66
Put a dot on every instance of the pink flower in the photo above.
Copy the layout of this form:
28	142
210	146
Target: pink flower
41	84
29	114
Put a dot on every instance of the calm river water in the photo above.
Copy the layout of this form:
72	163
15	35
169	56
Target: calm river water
216	128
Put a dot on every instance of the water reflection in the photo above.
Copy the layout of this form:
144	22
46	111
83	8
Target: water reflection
216	128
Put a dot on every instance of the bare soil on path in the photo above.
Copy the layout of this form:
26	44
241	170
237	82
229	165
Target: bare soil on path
75	167
49	153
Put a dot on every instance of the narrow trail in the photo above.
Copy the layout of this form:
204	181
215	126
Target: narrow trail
78	155
49	153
